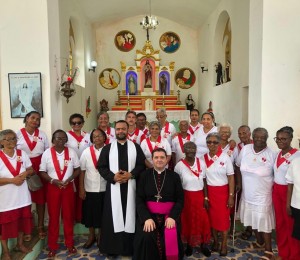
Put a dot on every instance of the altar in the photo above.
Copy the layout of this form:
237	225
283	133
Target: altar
147	85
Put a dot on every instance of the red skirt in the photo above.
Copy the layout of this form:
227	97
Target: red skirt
194	219
219	213
38	196
14	221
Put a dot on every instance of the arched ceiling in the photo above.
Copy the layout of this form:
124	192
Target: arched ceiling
190	13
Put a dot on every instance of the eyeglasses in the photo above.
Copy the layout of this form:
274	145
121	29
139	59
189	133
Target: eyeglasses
212	142
61	138
277	139
14	139
76	123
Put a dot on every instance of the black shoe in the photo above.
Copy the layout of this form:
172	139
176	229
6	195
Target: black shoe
188	250
205	251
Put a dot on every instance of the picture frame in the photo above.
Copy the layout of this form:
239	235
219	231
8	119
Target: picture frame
109	78
25	91
125	41
169	42
185	78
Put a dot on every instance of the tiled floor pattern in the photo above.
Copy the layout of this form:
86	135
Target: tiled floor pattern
84	254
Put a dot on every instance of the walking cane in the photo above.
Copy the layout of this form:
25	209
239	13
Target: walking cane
234	218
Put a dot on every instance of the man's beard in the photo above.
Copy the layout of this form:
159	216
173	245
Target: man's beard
121	137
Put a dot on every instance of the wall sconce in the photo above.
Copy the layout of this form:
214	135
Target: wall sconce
203	66
93	65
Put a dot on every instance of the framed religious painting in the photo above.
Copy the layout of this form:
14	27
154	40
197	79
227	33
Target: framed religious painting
125	41
169	42
25	91
109	78
185	78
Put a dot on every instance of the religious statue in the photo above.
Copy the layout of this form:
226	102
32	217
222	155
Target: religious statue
148	75
163	84
104	105
189	102
132	85
219	71
227	70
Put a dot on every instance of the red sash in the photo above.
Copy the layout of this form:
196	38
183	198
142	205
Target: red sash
8	165
30	144
78	138
60	174
191	129
197	172
209	162
180	139
281	159
150	145
108	131
145	131
93	154
134	135
167	125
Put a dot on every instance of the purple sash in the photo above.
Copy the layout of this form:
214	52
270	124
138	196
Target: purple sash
170	233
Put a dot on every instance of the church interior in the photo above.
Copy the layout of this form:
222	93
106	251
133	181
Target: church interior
238	58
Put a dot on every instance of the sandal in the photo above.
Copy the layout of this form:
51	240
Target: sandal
27	237
246	235
255	246
51	254
267	256
42	232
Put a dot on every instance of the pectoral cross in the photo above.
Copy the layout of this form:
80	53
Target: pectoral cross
158	197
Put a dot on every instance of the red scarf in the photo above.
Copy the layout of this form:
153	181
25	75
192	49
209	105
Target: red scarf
108	131
191	129
281	159
31	145
60	174
197	172
93	154
208	161
167	125
78	138
134	135
180	139
13	171
145	131
150	145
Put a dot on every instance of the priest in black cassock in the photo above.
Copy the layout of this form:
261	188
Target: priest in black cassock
159	202
119	164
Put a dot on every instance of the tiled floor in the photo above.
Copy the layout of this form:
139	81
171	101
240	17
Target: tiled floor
83	254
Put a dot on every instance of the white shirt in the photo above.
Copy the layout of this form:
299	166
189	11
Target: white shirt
257	174
216	174
78	148
280	172
136	138
190	181
41	145
200	140
171	132
163	144
233	154
194	128
12	196
93	182
176	148
293	177
48	166
112	135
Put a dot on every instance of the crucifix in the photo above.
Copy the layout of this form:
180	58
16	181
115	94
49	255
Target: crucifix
158	197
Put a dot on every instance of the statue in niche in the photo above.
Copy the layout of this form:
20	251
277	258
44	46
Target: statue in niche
163	84
227	70
104	105
189	102
132	88
148	75
219	71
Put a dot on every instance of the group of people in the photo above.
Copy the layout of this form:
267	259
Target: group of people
150	191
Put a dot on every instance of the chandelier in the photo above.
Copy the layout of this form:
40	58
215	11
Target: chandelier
149	22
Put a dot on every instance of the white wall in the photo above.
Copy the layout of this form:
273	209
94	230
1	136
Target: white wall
280	69
108	56
226	98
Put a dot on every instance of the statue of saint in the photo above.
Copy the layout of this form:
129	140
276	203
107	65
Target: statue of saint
131	85
148	75
163	84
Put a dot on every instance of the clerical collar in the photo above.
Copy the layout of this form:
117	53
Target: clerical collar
159	172
122	143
